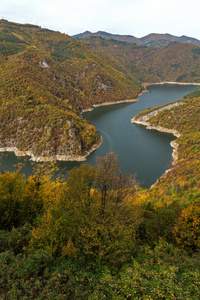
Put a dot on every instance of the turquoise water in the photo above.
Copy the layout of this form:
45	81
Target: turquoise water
144	153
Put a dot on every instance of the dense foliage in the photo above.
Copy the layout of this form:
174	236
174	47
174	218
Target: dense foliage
95	234
176	62
98	235
46	80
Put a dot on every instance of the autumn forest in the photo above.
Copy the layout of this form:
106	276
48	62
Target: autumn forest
95	234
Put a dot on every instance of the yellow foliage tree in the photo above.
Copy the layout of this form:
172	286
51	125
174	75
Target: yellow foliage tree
187	229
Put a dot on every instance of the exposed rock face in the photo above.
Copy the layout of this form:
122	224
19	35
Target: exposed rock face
152	114
104	86
52	145
143	119
43	64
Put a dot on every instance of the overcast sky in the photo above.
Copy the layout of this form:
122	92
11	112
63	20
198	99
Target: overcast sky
133	17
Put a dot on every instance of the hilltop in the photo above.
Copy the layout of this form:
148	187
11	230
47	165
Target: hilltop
162	40
109	36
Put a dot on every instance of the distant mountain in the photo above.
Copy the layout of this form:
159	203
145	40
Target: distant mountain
109	36
175	62
153	39
160	40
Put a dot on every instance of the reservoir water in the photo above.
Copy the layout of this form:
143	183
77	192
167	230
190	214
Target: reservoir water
143	153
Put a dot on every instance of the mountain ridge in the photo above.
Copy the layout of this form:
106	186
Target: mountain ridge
106	35
152	39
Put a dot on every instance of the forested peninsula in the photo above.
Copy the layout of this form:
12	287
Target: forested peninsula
95	234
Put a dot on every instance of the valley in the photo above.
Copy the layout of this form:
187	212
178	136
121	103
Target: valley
96	232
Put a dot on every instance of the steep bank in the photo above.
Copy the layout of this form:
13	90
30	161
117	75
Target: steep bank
169	82
110	103
53	157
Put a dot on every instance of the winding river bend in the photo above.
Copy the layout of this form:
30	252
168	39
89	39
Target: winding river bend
144	153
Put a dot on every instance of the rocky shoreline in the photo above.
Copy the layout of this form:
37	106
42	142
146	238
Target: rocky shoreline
143	121
54	157
95	146
112	103
174	145
79	158
169	82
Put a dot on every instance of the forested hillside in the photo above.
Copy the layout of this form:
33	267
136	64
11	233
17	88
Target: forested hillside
46	79
176	62
95	234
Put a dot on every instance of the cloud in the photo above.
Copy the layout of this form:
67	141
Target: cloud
135	17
